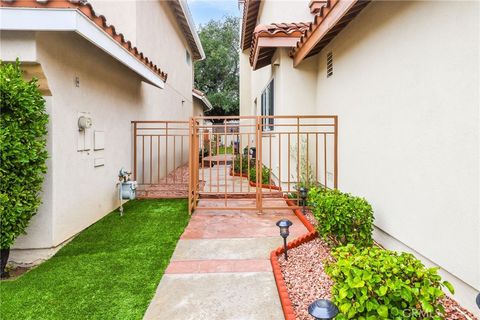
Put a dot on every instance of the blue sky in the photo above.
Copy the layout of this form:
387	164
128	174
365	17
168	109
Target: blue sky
206	10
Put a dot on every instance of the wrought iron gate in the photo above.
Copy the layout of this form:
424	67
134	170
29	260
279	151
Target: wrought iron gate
236	162
244	162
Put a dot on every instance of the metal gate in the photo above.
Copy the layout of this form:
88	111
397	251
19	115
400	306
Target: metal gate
160	158
242	163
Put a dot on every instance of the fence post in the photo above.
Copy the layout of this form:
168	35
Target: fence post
258	164
190	166
135	151
335	152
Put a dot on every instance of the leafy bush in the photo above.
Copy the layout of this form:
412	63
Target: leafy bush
202	153
252	175
372	283
343	217
23	131
236	164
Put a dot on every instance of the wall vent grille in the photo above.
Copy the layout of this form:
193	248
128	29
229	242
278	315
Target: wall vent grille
329	64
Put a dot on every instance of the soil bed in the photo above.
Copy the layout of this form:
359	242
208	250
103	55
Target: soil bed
306	280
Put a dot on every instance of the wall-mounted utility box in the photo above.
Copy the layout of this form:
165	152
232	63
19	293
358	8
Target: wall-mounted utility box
99	140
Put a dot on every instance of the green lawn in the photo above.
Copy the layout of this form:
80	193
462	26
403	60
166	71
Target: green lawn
109	271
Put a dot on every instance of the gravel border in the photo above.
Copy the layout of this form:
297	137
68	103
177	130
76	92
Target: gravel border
306	280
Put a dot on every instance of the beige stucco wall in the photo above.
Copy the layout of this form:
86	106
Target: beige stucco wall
272	11
78	194
197	108
406	90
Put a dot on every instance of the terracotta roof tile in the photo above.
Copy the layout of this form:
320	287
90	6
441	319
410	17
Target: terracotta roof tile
198	92
284	30
100	20
322	10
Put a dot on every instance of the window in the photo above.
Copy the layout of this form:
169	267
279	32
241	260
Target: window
329	64
187	57
268	107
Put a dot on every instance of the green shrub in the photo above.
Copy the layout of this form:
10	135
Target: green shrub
252	175
23	131
236	164
342	217
372	283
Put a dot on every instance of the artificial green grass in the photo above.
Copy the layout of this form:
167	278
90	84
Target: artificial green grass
109	271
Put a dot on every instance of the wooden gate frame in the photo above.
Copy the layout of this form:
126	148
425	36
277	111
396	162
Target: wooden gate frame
260	123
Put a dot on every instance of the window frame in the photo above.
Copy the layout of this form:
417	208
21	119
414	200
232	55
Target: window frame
267	106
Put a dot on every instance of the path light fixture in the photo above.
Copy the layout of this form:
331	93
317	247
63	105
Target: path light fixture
322	309
284	224
303	195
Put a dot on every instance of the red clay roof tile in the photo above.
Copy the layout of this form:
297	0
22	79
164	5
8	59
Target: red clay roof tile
289	30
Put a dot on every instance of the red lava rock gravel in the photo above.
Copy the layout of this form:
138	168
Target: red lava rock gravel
454	311
306	280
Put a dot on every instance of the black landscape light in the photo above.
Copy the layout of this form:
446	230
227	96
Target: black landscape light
322	309
284	224
303	194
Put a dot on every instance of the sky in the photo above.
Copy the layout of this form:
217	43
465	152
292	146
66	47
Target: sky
206	10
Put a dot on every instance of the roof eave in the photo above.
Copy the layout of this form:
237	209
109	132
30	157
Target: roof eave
270	42
203	98
73	20
333	18
187	20
251	9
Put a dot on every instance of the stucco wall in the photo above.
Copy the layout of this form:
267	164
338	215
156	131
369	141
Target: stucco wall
19	45
406	90
197	108
284	11
113	95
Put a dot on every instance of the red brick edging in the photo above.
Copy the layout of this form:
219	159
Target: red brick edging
287	307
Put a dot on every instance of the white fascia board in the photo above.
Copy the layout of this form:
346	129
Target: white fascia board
204	100
207	103
39	19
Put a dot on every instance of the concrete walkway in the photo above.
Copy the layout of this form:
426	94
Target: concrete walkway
221	268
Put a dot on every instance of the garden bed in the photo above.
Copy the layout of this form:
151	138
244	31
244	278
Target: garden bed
306	281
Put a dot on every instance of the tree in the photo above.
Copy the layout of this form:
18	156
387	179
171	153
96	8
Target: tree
23	132
218	74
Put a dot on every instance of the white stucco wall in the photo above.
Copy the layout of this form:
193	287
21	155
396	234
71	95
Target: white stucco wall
406	90
77	192
19	45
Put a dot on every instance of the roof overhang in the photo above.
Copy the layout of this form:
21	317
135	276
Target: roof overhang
185	19
332	18
197	94
251	9
264	49
73	20
267	38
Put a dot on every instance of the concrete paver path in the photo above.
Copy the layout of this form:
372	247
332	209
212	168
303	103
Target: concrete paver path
221	270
